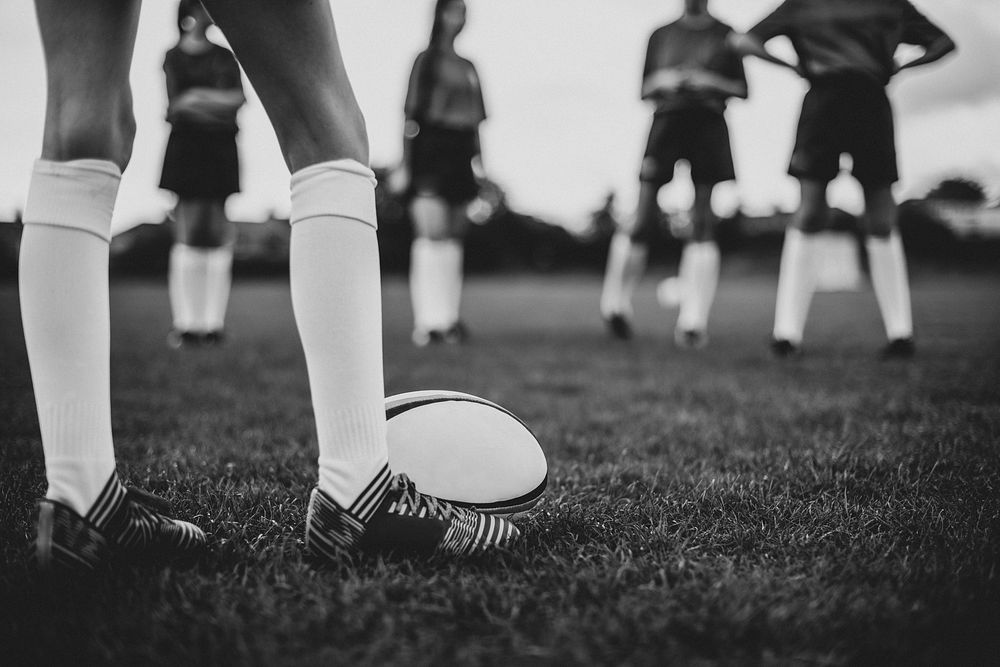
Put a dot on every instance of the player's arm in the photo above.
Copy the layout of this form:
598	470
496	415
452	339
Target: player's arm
750	45
716	83
936	50
662	82
399	178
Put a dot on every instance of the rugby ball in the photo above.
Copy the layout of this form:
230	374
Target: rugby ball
466	450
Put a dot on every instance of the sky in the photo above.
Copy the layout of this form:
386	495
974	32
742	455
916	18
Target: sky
561	81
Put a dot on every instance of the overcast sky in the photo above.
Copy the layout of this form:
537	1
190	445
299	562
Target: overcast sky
561	80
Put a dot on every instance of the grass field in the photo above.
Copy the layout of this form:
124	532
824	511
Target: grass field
704	508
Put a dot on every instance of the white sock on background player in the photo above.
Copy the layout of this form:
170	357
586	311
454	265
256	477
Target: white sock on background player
626	264
887	263
796	283
699	279
432	284
63	280
336	297
218	284
187	282
452	260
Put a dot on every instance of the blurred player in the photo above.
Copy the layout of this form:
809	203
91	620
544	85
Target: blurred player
291	55
202	167
846	50
441	159
690	73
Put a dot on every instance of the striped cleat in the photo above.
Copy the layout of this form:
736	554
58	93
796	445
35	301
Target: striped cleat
124	523
391	516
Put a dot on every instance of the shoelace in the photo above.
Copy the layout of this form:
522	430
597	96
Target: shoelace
409	496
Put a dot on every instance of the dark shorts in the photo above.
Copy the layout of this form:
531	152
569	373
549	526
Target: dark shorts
846	114
201	163
699	136
441	164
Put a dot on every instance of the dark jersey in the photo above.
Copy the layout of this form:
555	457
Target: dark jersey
848	36
677	46
451	97
215	68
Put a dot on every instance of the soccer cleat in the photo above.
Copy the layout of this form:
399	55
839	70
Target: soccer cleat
213	338
457	333
785	349
124	523
391	516
423	337
692	339
177	339
898	348
619	326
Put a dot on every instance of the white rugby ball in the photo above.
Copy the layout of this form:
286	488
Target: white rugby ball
466	450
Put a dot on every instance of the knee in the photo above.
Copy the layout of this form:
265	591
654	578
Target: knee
333	131
878	227
82	129
810	219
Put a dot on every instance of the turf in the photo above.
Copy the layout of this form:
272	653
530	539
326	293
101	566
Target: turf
716	507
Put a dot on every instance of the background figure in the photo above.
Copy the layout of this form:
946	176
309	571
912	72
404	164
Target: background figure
689	74
846	49
291	55
202	167
441	159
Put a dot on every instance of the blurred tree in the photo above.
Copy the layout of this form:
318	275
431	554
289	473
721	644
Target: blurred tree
959	189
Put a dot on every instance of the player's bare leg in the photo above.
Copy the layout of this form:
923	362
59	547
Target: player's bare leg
291	55
887	263
797	280
627	258
699	273
87	517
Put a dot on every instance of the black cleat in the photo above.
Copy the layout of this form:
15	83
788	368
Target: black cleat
213	338
619	326
898	348
423	338
123	524
177	339
785	349
692	339
391	516
457	333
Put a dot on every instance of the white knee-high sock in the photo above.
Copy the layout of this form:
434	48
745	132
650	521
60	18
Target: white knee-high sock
453	256
626	264
700	282
432	288
419	263
219	280
64	305
796	283
430	285
887	262
179	288
336	296
188	285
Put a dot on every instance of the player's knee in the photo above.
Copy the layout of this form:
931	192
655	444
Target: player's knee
334	131
810	219
84	131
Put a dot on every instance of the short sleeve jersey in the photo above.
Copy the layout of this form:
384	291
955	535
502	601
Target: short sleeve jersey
679	46
848	36
454	98
215	68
